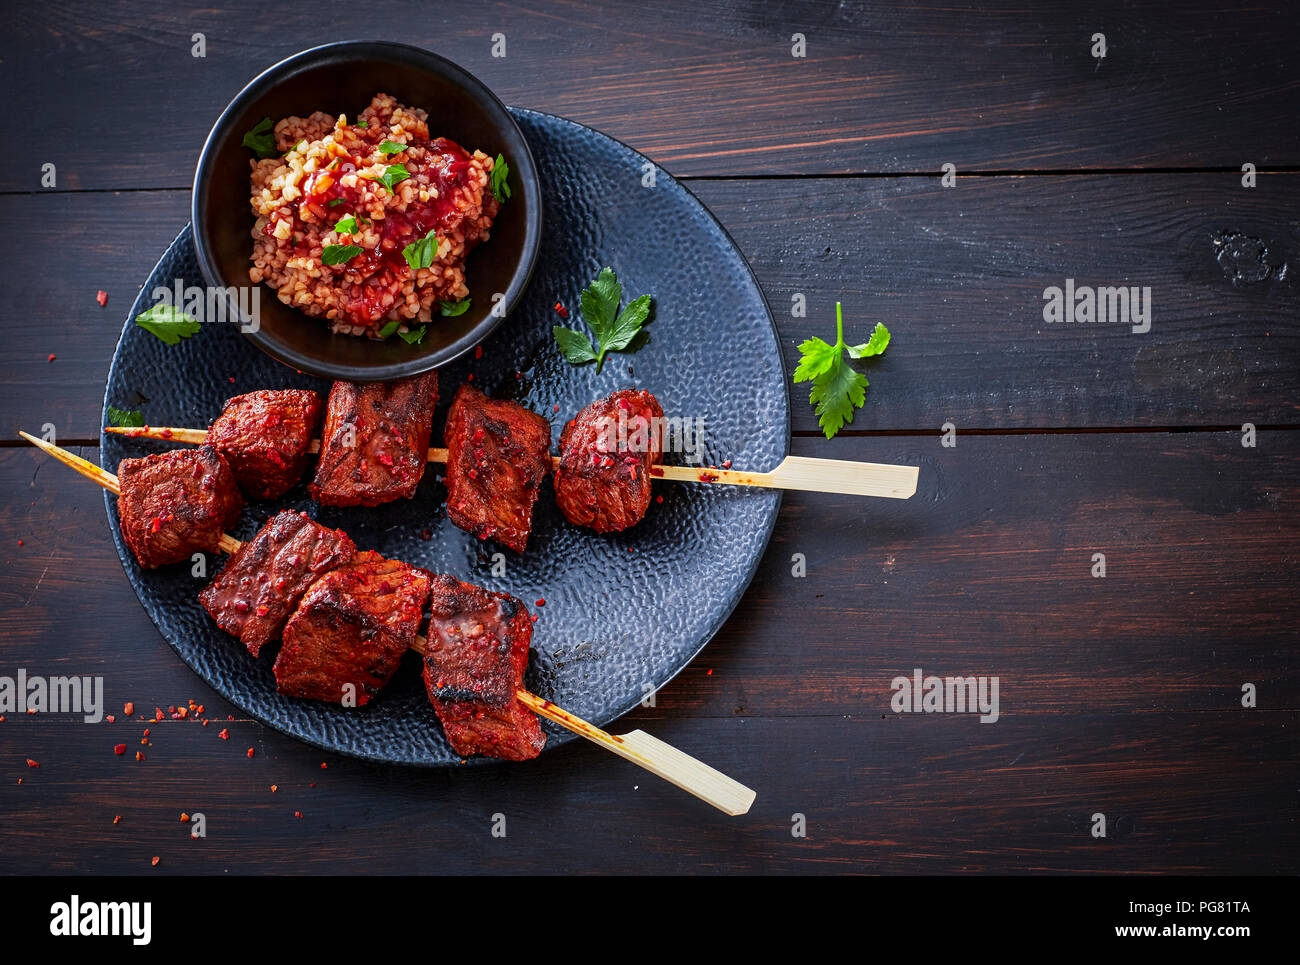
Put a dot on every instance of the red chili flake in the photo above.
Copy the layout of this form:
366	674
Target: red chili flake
52	357
157	713
155	524
541	601
155	861
199	709
146	732
119	750
263	611
561	310
533	617
20	542
108	717
224	735
708	477
470	377
324	766
274	788
297	814
184	818
144	740
32	763
232	380
116	818
478	351
139	755
659	498
709	672
250	752
312	784
727	464
101	296
519	375
556	408
128	709
20	780
656	471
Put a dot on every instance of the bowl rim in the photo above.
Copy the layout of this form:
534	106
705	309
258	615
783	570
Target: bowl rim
524	166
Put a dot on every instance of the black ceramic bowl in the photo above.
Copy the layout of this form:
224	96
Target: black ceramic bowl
341	78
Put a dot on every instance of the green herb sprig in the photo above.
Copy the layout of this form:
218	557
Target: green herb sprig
837	388
499	183
614	330
168	323
338	254
261	139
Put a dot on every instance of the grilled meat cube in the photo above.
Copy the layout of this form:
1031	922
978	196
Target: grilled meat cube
474	662
259	587
498	453
176	503
606	455
347	637
376	441
266	437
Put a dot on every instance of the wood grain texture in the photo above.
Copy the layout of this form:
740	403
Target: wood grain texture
704	89
1119	695
957	274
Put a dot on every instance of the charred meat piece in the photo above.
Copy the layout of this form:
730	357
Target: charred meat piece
266	437
606	455
262	583
176	503
498	453
347	637
376	441
474	662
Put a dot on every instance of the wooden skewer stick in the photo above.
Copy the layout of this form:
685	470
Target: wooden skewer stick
693	776
794	472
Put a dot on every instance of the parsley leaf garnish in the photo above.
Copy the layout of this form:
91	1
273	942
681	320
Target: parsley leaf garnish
614	330
362	124
389	329
452	309
421	252
261	139
393	174
500	172
346	225
391	147
837	389
413	337
167	322
335	203
125	417
338	254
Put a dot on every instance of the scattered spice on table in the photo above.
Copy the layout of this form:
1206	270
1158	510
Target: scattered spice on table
129	709
52	357
119	750
116	818
224	735
155	861
250	752
101	296
32	763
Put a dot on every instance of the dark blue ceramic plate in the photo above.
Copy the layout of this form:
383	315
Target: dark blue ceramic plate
623	613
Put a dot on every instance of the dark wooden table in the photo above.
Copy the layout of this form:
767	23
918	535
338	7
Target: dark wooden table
1120	695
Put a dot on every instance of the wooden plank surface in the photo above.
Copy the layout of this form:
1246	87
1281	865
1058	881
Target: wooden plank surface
1119	695
958	275
705	89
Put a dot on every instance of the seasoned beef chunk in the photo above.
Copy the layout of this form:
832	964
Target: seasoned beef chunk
266	437
174	504
498	453
606	454
347	637
474	662
263	582
376	441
